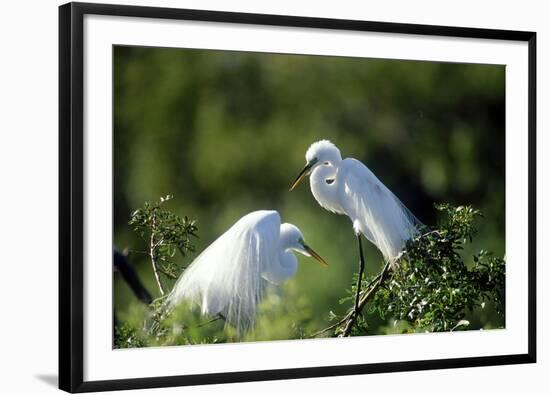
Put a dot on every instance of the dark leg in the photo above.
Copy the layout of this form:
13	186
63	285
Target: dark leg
360	276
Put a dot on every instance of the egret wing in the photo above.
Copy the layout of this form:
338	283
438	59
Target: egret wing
226	277
375	210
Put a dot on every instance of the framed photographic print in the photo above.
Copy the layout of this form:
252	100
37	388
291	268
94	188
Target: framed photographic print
251	197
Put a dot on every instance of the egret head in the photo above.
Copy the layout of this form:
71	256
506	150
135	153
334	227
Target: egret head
322	152
292	238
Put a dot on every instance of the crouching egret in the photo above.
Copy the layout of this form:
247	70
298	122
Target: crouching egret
348	187
228	277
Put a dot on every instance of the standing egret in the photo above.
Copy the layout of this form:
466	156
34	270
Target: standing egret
348	187
228	277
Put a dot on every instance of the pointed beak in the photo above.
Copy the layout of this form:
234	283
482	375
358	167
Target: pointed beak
313	254
302	174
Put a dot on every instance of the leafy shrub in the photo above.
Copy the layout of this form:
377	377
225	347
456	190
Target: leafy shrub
432	287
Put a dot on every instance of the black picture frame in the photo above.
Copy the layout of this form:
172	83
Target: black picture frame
71	204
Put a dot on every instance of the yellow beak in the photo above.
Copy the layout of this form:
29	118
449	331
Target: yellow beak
302	174
313	254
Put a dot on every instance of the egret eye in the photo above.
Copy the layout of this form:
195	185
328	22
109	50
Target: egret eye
326	163
329	181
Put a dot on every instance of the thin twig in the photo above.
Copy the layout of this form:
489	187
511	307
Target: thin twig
217	318
429	233
347	317
352	318
154	259
166	273
328	328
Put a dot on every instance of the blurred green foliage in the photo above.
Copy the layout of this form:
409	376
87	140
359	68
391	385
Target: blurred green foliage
226	132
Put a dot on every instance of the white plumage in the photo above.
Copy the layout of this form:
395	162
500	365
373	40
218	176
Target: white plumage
228	277
348	187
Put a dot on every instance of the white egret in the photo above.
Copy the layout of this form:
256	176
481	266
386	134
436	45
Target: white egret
228	277
347	186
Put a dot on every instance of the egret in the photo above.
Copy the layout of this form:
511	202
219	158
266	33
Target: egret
228	278
348	187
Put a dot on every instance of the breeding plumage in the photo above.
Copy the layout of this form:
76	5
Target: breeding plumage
228	277
348	187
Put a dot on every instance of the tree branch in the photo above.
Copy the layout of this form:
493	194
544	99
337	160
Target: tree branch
351	318
153	256
348	316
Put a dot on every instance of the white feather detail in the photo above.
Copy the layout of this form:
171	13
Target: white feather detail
234	287
374	210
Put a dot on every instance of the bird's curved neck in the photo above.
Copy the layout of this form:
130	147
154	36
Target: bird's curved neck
325	184
285	264
288	263
285	268
287	260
